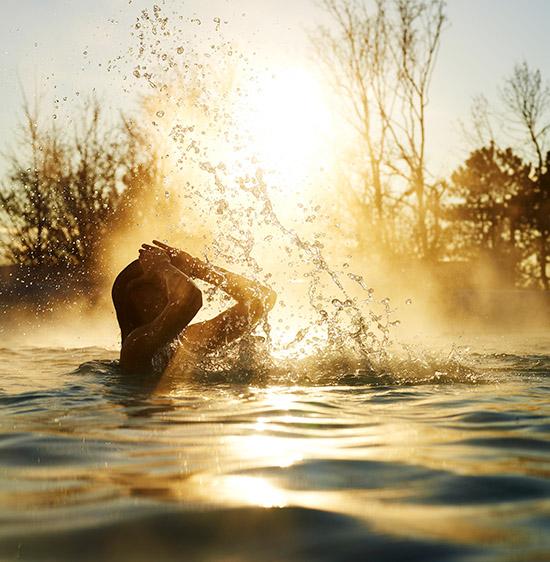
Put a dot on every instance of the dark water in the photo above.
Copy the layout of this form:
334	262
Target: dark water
96	467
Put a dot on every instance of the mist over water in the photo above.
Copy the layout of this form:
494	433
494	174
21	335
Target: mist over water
198	106
334	432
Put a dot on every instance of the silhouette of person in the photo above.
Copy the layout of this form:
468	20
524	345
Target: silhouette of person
155	300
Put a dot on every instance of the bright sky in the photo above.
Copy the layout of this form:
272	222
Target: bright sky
42	45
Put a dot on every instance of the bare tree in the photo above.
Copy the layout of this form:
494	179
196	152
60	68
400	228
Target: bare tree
63	188
25	204
527	99
416	36
356	53
480	129
381	61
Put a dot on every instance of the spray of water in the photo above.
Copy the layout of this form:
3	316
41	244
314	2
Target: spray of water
196	83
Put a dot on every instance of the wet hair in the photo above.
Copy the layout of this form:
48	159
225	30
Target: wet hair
125	311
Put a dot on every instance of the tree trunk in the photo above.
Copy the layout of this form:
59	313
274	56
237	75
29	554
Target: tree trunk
421	211
379	204
543	260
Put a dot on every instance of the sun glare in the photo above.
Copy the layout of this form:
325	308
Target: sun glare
251	490
289	121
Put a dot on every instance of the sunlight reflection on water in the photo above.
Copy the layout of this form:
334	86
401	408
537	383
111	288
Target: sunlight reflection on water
447	471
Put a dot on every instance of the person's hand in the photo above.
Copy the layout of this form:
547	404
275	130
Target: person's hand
182	260
151	259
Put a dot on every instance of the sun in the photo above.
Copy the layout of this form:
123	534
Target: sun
289	121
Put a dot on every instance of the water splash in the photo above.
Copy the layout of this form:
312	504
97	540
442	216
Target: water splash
199	90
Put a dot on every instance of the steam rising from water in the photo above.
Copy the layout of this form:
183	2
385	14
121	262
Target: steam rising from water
196	95
327	321
218	198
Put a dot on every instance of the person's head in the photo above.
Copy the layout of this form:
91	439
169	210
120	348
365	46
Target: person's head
136	302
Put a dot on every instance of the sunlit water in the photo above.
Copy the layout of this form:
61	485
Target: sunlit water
97	467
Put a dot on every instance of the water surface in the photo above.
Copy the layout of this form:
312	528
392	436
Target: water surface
94	466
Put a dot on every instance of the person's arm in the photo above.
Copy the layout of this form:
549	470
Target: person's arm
184	301
253	301
236	286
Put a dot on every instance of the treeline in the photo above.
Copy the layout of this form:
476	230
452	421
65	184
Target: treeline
380	57
503	213
67	188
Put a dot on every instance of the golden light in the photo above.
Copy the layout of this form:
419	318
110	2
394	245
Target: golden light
290	122
275	451
299	339
251	490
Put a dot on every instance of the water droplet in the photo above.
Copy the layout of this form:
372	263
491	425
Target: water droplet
358	279
160	113
54	116
408	301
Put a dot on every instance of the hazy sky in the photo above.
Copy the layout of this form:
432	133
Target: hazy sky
42	44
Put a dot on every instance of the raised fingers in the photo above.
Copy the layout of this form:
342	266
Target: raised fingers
165	247
153	250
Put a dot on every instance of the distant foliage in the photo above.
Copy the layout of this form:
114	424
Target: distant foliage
509	190
65	188
503	211
380	56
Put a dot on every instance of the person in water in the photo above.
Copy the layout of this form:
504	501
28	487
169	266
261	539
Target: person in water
155	300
